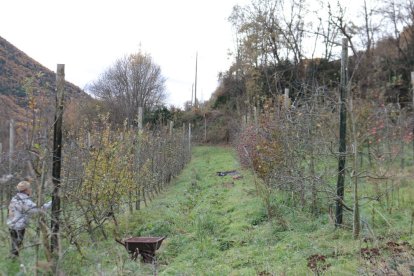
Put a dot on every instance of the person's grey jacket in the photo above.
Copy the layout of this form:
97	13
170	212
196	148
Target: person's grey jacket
20	208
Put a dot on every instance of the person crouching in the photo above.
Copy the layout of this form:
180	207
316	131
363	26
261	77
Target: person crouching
20	209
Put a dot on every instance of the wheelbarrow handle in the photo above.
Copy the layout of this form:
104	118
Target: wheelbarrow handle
120	242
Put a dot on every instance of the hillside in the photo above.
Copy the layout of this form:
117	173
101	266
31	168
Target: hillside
16	67
18	73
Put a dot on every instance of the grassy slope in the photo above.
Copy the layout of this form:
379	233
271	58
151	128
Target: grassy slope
218	226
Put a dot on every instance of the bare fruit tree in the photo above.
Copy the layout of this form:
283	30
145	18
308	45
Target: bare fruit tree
131	82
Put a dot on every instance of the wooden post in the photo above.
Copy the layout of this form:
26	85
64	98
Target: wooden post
342	135
42	217
412	87
189	138
11	146
286	98
205	128
256	121
1	189
57	161
140	118
171	124
356	226
140	192
89	141
11	155
183	145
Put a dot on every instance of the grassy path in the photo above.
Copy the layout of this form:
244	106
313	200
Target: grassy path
205	217
218	226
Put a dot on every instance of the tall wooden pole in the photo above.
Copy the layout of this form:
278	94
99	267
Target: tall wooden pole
205	127
342	135
140	192
356	225
57	160
171	127
189	138
286	99
89	141
412	86
140	118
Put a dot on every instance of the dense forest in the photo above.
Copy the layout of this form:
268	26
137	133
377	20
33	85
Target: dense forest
301	162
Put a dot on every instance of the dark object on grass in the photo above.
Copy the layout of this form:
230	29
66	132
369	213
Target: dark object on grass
144	246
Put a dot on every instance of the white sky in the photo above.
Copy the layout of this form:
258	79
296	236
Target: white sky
89	35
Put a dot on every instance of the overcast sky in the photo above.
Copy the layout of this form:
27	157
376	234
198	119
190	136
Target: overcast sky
89	35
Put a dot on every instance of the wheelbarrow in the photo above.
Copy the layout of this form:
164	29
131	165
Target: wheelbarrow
144	246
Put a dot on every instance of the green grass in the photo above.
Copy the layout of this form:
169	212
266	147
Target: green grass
219	226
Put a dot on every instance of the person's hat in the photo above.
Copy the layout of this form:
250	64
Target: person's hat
23	186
